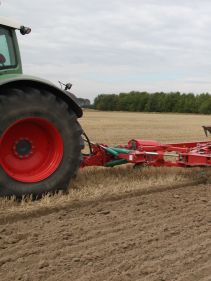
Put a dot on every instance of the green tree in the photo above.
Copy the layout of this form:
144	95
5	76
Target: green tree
205	107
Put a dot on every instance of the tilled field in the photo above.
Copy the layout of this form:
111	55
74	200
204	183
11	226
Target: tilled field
116	224
163	235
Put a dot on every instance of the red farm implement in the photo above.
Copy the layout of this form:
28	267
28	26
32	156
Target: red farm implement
150	153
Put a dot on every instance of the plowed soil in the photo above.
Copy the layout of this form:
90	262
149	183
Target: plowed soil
116	224
163	235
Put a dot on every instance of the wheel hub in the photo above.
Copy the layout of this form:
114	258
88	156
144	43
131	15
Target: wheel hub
23	148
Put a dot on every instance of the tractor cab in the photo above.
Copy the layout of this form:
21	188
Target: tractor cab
10	61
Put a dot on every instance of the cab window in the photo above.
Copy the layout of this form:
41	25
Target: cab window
7	52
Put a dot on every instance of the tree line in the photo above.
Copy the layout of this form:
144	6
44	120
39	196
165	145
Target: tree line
154	102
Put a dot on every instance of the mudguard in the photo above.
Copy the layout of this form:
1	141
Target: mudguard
16	81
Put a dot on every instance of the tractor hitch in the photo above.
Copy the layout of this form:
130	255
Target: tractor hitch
207	130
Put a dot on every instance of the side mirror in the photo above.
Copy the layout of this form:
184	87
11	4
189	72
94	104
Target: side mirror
68	86
25	30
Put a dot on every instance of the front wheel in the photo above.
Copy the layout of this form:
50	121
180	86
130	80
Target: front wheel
40	144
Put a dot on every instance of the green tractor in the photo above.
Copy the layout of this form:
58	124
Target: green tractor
40	137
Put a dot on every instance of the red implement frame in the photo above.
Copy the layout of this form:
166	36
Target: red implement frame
151	153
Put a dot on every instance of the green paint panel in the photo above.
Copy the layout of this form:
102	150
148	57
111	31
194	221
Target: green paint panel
121	150
116	162
111	151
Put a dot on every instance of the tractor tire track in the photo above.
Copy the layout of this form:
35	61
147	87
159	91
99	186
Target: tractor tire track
43	211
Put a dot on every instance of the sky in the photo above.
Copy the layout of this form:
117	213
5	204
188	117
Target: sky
113	46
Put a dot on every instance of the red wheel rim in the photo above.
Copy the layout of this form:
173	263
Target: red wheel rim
31	150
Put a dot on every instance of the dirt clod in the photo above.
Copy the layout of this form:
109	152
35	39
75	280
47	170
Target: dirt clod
105	212
43	264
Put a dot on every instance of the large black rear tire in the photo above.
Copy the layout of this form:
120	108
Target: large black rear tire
17	104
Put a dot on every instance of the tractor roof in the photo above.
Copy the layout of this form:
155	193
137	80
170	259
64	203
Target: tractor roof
9	23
